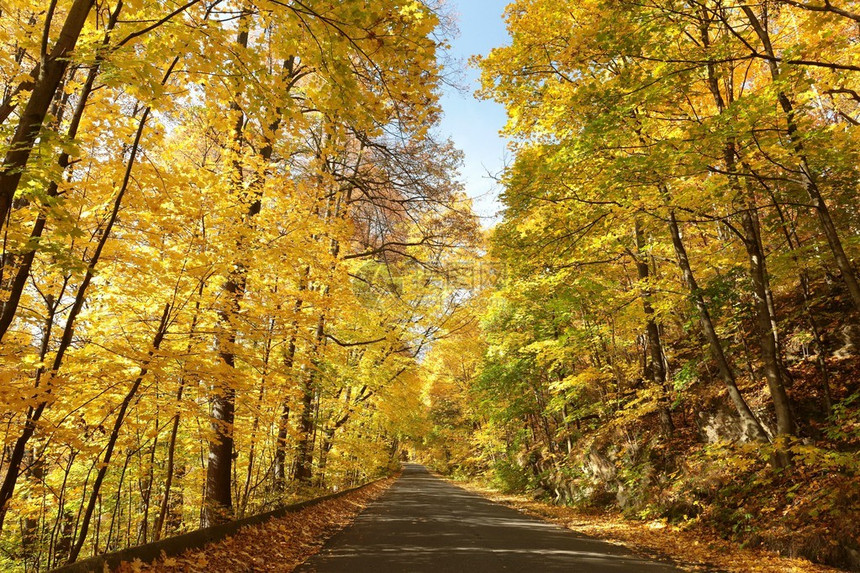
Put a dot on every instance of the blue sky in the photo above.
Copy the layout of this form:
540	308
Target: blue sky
472	124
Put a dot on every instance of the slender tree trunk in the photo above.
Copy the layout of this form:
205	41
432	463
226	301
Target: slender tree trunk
22	273
794	244
49	75
767	343
174	430
758	276
810	183
66	535
146	490
256	424
654	369
61	503
173	521
325	448
168	482
34	414
751	426
30	538
280	470
116	514
120	418
304	449
218	497
218	502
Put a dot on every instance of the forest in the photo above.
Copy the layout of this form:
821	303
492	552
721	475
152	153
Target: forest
239	267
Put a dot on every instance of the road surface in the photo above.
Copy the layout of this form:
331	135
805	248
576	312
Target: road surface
425	524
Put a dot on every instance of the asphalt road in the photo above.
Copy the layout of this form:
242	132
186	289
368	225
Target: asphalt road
425	524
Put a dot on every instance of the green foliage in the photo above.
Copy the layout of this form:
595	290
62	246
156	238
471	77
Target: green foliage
664	231
845	420
509	477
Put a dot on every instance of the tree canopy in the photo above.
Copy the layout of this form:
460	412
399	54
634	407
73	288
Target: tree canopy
239	268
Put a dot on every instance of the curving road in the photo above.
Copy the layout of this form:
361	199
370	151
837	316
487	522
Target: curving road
425	524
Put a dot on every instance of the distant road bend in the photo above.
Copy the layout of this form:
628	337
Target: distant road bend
425	524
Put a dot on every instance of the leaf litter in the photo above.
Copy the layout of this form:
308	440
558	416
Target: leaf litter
281	544
689	549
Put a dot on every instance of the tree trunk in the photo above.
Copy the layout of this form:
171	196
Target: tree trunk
255	427
49	75
752	428
794	243
304	449
654	368
767	343
325	448
758	276
146	489
168	482
174	430
218	501
280	470
34	414
30	538
114	435
810	184
303	471
22	273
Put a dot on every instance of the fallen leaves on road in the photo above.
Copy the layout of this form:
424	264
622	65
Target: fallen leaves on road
280	544
691	550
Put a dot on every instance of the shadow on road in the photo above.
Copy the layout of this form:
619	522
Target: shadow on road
425	524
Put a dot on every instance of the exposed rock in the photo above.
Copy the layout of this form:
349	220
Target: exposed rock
721	426
599	466
851	341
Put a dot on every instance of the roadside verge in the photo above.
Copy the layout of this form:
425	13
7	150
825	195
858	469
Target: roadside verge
690	549
275	541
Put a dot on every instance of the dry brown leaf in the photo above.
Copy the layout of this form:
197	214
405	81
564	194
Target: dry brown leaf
692	550
279	545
